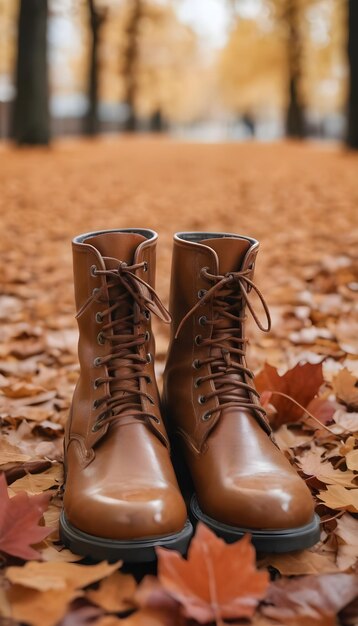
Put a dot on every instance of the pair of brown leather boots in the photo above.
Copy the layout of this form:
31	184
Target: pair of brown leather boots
122	497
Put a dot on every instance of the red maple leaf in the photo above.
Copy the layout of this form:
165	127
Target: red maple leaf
19	517
218	581
301	384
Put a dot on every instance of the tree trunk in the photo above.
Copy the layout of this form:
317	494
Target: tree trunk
295	123
96	19
131	63
352	130
31	121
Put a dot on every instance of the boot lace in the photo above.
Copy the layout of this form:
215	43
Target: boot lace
229	294
124	362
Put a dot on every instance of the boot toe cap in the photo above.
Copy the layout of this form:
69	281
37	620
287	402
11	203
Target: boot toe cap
261	502
128	514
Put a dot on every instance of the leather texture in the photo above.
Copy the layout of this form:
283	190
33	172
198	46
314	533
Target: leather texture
120	481
240	476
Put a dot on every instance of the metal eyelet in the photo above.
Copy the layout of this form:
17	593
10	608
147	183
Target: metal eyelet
197	382
93	270
201	293
145	266
97	361
100	339
198	340
147	336
99	318
196	364
96	383
95	404
95	291
96	426
201	399
203	320
206	416
156	419
147	314
148	380
149	357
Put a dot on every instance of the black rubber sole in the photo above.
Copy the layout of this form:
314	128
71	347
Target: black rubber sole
131	551
263	540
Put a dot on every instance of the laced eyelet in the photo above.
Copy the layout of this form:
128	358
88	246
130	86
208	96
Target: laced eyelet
99	318
198	340
204	269
197	382
201	399
156	419
196	364
96	426
95	404
95	291
206	416
96	383
147	314
148	380
147	336
100	339
202	320
97	361
201	293
149	357
93	270
145	266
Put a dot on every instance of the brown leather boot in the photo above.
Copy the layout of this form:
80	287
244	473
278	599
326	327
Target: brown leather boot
242	482
121	497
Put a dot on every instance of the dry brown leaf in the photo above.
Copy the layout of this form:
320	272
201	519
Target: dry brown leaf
312	464
337	497
317	598
345	386
11	454
52	554
40	608
115	593
352	460
300	563
48	576
347	531
37	483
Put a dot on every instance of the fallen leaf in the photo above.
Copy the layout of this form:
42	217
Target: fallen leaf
317	598
347	531
11	454
151	594
352	460
115	593
302	383
19	517
49	576
299	563
218	581
345	386
312	464
337	497
345	422
37	483
39	608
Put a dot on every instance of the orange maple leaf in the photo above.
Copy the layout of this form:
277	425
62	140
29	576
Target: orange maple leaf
19	517
301	383
218	581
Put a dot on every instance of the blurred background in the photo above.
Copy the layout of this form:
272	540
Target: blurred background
211	70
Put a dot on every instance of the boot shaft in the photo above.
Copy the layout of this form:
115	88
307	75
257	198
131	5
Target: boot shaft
114	276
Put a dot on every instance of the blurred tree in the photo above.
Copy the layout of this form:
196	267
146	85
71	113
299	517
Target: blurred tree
352	134
295	122
31	123
130	61
97	17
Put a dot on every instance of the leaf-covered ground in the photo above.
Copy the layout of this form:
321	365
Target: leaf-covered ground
301	203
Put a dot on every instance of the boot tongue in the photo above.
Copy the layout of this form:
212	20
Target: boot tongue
231	252
116	247
121	246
